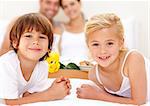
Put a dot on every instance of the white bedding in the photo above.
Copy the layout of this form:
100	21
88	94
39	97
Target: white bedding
72	100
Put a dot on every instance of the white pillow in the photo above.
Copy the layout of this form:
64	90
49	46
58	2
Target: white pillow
3	28
129	32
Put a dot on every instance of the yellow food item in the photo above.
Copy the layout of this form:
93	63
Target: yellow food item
53	62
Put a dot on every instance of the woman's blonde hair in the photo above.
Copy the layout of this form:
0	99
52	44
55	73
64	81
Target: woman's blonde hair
105	20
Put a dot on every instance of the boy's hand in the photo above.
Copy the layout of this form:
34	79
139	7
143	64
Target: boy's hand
26	94
58	80
59	89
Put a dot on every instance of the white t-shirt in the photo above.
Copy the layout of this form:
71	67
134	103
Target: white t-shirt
12	82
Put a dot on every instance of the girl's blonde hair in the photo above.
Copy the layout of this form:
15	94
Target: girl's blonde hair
105	20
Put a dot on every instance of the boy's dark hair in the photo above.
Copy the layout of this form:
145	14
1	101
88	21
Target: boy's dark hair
29	22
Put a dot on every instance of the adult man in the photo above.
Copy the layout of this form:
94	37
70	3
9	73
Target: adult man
49	8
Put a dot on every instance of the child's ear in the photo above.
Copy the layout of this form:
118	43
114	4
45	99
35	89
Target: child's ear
122	42
15	44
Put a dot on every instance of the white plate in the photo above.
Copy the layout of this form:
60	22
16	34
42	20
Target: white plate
86	68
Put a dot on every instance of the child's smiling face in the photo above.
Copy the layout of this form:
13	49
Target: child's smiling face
104	45
32	45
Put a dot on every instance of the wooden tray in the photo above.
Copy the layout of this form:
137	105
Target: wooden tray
82	74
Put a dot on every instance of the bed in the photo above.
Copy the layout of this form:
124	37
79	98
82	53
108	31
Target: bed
77	78
72	100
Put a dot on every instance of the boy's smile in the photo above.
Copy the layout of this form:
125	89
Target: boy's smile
33	45
35	49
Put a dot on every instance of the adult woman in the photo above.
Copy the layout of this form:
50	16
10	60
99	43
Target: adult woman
72	46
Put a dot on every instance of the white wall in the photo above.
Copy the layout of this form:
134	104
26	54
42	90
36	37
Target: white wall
134	14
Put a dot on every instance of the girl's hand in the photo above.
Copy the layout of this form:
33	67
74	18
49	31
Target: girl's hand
27	94
89	92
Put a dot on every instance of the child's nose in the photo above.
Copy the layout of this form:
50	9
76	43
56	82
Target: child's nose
103	50
36	42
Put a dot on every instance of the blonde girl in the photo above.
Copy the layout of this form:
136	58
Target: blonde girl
120	73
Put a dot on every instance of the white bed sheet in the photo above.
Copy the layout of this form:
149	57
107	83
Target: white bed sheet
72	100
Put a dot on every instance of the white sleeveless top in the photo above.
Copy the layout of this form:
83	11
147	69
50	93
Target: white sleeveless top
55	46
73	47
124	90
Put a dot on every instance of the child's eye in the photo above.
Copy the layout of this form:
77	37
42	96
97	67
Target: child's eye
28	36
42	37
110	43
95	44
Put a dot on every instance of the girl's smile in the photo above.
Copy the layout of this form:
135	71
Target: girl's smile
104	46
103	58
